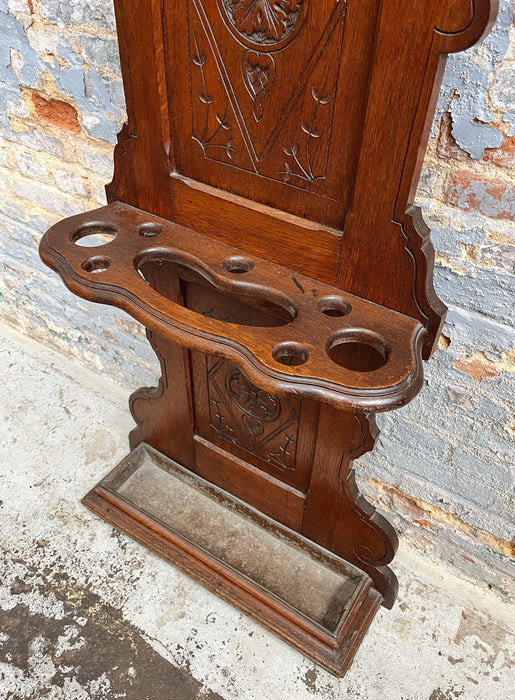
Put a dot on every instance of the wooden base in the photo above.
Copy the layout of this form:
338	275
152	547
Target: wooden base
314	600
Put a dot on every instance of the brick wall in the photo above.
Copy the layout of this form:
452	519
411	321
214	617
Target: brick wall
445	463
443	466
61	105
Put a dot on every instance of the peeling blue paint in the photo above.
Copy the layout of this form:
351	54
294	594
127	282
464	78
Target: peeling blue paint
96	104
57	310
469	330
12	36
464	88
71	80
486	291
96	13
502	205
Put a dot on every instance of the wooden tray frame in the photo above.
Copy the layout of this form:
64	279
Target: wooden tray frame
332	651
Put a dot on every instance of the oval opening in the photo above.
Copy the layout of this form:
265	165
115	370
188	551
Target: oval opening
290	354
334	306
149	230
192	285
237	265
358	350
98	263
94	234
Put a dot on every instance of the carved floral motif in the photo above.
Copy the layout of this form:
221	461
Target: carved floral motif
258	71
296	169
284	132
213	140
252	401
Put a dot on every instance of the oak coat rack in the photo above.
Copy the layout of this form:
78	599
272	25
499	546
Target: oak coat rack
260	225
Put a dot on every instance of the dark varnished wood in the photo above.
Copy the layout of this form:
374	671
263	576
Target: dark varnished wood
109	274
262	227
299	244
350	527
164	414
381	109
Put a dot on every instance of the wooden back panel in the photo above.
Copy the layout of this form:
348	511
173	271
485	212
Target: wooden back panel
267	91
294	129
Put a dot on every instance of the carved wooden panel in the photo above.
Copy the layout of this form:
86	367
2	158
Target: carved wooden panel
235	120
251	423
255	420
266	83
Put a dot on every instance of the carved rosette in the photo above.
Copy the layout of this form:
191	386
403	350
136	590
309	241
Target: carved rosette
263	22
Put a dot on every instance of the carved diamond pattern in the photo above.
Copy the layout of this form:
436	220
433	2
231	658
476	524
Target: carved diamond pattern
254	420
260	132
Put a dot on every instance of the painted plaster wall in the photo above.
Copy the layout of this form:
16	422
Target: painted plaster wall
443	467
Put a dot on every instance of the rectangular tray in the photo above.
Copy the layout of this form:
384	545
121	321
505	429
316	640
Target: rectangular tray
314	600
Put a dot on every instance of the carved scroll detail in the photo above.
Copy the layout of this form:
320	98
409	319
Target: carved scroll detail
383	544
367	427
352	528
143	400
121	150
417	240
464	23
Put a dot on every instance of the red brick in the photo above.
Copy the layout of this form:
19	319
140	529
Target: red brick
425	524
57	113
407	503
504	156
447	146
492	197
475	368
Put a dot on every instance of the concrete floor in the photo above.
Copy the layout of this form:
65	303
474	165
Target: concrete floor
87	613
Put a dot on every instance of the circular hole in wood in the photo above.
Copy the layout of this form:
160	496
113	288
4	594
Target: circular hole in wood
237	265
150	229
98	263
290	354
334	306
358	350
94	234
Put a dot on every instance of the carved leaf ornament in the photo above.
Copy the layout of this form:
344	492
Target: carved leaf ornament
263	16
